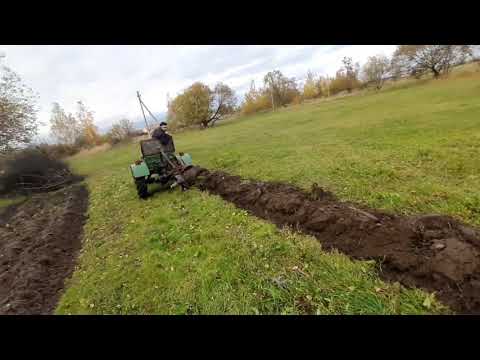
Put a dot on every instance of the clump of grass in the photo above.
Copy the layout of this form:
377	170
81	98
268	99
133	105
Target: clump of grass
5	202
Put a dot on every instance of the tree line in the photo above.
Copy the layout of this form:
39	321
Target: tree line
74	132
199	105
80	130
202	106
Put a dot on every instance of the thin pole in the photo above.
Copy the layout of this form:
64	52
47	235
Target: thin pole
273	103
143	112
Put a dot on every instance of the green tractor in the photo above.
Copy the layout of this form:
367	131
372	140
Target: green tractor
159	166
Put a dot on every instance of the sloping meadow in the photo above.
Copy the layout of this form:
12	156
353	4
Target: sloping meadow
407	151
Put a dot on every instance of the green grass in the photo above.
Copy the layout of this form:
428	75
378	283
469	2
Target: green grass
410	149
193	253
4	202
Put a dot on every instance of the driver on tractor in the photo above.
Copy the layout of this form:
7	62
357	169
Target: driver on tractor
161	134
168	146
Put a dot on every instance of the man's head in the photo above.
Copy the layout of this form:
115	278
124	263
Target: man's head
163	126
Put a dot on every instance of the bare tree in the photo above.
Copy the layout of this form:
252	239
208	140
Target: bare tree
116	133
87	123
282	89
223	102
121	130
65	128
78	130
127	126
18	110
417	60
376	70
312	88
351	72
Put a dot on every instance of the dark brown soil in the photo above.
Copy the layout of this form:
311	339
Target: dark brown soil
432	252
39	242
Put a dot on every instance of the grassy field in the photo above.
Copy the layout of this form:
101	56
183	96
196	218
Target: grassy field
411	148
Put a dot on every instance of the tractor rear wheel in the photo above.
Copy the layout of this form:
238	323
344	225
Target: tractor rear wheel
142	188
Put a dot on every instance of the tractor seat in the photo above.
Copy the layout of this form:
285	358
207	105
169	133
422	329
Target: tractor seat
151	147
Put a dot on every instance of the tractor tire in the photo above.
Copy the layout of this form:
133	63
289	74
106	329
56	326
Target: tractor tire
142	188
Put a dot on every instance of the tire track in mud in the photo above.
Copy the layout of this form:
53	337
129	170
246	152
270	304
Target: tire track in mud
432	252
39	243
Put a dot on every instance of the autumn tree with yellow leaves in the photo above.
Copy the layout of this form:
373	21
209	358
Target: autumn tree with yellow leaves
78	129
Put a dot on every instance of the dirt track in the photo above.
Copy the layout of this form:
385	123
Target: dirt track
436	253
39	241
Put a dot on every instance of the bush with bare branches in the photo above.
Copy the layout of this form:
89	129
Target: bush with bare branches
18	111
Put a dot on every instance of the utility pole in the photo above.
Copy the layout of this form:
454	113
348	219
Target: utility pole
271	92
143	112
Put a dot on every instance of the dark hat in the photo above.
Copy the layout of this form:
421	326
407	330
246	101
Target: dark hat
163	123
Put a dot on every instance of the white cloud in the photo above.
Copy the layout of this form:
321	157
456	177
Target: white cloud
106	78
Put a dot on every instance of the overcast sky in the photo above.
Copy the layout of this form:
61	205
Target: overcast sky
106	78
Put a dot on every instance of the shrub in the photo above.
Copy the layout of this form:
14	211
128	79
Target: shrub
29	165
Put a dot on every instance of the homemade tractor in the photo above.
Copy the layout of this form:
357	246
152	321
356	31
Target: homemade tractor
158	166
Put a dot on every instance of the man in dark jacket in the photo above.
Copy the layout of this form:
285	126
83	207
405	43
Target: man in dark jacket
164	137
166	140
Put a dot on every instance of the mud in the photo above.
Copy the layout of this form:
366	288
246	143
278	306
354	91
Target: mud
432	252
39	242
